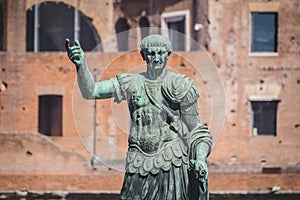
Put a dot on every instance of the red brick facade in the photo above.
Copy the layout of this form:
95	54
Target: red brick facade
29	160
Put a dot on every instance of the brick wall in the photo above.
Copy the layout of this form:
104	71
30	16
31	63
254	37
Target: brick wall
28	75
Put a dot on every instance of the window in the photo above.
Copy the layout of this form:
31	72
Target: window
175	26
144	25
264	32
50	115
122	28
264	117
50	23
2	25
176	34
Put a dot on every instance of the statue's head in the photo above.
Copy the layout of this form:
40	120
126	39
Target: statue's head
155	50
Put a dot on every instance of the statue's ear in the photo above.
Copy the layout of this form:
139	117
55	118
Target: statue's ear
169	53
143	54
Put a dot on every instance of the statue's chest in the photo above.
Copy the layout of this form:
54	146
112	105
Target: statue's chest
154	92
149	125
144	95
145	102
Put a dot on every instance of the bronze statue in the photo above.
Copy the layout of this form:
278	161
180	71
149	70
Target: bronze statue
168	145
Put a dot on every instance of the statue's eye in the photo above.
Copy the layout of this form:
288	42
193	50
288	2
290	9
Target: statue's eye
152	53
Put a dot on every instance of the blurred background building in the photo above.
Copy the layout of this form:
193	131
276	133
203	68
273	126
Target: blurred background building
244	57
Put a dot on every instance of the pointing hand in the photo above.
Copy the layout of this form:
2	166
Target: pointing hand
75	53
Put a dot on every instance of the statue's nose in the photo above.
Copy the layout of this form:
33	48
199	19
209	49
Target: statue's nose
156	58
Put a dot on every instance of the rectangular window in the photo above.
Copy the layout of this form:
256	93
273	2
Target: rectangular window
175	26
264	117
264	32
2	23
177	34
50	115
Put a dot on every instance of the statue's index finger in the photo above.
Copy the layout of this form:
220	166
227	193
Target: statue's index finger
67	44
77	43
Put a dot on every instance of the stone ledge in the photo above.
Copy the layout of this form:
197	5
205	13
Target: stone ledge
112	195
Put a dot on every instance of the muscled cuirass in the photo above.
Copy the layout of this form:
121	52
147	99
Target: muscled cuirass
150	126
154	142
158	137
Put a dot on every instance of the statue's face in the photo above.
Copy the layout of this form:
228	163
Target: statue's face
156	57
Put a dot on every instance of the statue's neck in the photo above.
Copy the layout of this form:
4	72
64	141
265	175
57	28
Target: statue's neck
155	74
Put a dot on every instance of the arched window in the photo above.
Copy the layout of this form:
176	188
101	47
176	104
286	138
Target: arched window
50	23
122	28
144	25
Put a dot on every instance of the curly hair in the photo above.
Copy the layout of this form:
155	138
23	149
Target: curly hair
155	41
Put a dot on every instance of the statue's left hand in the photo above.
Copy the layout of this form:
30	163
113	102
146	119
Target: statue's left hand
200	168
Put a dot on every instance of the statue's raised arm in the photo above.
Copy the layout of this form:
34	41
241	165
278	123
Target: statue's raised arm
89	89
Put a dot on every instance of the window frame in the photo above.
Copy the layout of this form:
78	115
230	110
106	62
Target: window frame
167	17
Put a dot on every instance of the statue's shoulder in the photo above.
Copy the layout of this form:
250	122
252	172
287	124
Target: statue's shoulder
175	77
127	77
176	86
128	80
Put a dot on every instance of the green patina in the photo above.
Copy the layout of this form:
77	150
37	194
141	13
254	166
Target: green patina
168	145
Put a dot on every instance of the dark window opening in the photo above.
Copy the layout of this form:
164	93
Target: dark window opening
264	117
144	25
55	24
2	16
264	32
90	37
177	34
271	170
122	28
50	115
30	29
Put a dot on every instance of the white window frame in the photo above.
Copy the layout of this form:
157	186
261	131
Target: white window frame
173	17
